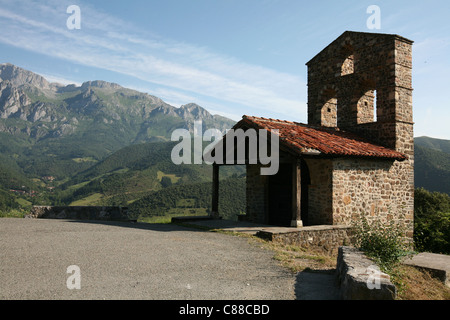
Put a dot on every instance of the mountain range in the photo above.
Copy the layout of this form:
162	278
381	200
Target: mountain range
101	143
41	120
96	143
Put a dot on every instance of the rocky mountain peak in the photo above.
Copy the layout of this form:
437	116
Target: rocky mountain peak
19	77
47	110
101	84
193	111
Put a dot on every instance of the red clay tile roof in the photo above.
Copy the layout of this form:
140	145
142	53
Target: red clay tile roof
305	139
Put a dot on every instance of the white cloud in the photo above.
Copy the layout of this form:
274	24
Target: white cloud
60	80
111	44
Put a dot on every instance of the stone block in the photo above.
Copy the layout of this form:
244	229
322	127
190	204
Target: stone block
360	279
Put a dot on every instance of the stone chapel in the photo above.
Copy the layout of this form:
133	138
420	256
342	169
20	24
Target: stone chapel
355	156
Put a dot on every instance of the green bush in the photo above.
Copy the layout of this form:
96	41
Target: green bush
431	221
384	243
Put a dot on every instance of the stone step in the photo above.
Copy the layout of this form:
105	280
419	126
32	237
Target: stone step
437	264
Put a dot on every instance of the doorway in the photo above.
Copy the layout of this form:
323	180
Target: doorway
280	195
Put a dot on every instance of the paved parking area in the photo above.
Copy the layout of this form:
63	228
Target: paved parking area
134	261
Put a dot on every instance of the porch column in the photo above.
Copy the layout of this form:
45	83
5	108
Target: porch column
215	192
296	195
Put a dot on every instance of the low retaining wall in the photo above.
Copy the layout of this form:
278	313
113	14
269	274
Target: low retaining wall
360	279
79	213
328	238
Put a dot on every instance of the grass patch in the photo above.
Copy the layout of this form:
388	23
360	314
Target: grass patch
411	283
298	259
162	219
91	200
172	177
85	159
23	202
13	213
415	284
156	219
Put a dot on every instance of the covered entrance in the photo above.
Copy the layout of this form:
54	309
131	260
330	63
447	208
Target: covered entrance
288	195
278	200
280	196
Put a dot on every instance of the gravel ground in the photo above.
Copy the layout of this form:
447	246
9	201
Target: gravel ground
134	261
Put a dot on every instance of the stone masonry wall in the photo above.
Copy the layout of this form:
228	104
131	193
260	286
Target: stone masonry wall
377	189
326	238
320	192
350	70
381	62
256	194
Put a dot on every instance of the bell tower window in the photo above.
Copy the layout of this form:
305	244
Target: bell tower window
367	107
329	109
348	67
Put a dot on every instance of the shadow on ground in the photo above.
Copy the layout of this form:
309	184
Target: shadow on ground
161	227
317	285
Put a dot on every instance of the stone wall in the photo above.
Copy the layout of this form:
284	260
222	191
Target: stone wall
360	279
320	211
79	213
377	189
256	194
326	238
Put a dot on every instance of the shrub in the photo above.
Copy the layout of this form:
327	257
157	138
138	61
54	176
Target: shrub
384	243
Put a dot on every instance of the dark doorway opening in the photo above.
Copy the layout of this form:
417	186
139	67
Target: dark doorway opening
280	196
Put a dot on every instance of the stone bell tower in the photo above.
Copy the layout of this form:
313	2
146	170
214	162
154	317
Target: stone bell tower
362	82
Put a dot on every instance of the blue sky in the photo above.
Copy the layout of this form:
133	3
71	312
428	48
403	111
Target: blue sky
232	57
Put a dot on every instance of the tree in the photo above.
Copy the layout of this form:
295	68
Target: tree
166	182
432	221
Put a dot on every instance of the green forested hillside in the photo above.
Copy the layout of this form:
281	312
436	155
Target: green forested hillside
12	176
432	169
193	197
433	143
133	172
